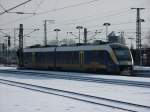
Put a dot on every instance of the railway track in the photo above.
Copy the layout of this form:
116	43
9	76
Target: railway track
80	78
114	104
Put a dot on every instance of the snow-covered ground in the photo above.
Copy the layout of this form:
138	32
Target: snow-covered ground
20	100
141	68
13	99
118	92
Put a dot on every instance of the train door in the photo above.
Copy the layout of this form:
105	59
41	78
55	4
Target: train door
81	58
33	59
110	65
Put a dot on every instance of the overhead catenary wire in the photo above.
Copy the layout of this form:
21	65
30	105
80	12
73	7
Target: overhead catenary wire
93	19
55	7
66	7
113	24
59	25
14	7
45	11
67	23
56	3
82	19
48	11
98	25
89	16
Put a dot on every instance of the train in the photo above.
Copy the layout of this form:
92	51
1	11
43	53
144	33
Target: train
110	58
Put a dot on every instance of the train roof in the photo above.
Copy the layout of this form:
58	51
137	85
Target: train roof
72	48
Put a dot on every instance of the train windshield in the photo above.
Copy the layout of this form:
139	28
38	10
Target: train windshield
122	53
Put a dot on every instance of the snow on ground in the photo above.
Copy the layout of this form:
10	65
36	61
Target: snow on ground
137	95
141	68
4	67
14	99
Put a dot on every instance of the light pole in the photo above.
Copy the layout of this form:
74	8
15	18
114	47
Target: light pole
107	24
57	30
79	28
45	30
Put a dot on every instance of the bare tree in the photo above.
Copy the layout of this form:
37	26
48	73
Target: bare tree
52	42
68	41
147	37
63	42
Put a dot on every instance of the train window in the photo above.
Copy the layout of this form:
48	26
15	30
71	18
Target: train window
27	58
39	57
43	57
51	57
58	59
107	58
67	57
94	57
75	57
122	54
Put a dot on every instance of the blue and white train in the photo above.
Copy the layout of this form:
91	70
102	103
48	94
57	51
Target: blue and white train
112	58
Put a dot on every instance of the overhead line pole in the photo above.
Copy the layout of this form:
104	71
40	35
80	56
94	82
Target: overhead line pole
79	28
138	34
20	50
45	30
85	35
45	33
15	29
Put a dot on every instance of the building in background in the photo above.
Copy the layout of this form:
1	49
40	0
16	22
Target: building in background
113	38
145	56
7	56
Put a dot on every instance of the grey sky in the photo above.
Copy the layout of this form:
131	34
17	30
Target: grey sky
91	15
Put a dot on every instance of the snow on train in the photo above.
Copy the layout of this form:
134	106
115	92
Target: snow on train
113	58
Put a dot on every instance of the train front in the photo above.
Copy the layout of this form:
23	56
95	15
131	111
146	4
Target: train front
124	58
